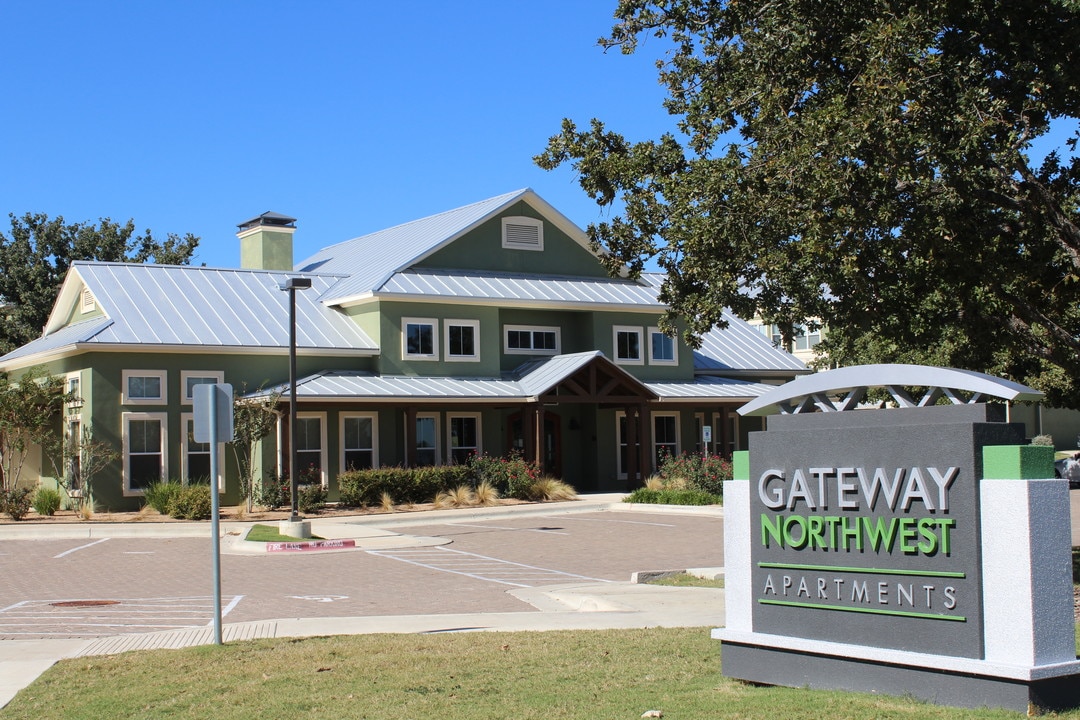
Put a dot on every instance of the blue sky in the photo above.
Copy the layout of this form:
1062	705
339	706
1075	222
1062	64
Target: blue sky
350	116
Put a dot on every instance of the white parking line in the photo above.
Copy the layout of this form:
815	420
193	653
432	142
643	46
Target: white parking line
81	547
481	567
88	618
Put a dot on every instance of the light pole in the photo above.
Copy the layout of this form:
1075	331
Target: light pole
293	284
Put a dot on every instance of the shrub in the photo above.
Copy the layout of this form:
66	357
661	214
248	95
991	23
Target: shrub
671	497
47	501
192	502
274	492
310	498
511	476
15	502
1045	440
160	495
357	488
696	472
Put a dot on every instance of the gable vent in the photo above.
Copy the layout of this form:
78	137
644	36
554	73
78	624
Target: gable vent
522	233
88	303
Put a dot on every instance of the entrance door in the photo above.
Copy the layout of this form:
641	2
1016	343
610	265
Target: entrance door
551	453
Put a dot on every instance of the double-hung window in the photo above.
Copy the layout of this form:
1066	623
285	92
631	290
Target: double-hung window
665	436
419	339
462	340
144	387
195	456
311	448
627	342
190	378
145	450
427	439
359	441
464	437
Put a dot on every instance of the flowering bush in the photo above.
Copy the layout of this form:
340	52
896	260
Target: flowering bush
700	472
512	476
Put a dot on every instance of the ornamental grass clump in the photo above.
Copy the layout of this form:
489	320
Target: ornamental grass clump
46	501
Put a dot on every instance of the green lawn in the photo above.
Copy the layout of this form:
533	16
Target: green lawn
269	533
465	676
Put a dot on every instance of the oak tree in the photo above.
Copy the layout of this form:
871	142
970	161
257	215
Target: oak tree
870	166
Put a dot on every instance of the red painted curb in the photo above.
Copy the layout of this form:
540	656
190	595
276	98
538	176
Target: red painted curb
310	545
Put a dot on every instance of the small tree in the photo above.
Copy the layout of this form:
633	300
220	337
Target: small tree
83	457
253	419
28	411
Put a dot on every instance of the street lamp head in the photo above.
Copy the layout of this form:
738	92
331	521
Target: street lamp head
296	283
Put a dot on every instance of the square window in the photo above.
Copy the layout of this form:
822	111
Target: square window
628	345
661	348
418	339
462	340
190	378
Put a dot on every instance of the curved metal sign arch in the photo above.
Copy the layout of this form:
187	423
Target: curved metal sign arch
844	388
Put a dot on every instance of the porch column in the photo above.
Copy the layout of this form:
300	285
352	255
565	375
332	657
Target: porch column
410	437
722	435
645	444
632	454
528	432
538	435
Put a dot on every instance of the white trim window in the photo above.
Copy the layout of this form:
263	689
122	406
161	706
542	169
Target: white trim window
144	387
419	338
663	349
462	340
665	435
311	448
359	441
190	378
463	436
146	458
522	233
627	343
531	340
427	439
195	456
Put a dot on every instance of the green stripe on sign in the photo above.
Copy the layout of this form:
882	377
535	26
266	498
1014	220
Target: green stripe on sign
868	611
1018	462
868	571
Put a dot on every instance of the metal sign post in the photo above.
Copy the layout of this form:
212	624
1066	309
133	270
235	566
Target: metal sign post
213	416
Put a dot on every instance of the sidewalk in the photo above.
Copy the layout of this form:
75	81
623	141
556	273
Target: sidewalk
560	607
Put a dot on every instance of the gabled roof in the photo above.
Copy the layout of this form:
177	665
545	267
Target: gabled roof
195	307
739	347
371	260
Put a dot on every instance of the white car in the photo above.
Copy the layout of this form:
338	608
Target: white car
1069	468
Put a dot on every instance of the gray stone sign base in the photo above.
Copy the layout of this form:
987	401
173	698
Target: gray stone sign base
958	682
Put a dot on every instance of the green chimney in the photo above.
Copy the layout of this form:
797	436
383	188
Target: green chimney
266	242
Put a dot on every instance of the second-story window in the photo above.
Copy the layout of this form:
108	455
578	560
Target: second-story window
419	339
531	340
462	340
628	345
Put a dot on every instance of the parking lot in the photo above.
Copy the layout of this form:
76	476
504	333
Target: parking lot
92	588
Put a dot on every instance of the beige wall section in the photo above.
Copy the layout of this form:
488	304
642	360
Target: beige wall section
267	249
1061	424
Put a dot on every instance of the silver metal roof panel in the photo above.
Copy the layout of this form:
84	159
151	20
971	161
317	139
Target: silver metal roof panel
62	339
740	347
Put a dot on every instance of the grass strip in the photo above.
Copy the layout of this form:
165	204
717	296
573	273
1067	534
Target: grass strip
466	676
269	533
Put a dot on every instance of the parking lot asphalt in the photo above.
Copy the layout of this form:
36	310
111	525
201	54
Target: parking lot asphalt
527	593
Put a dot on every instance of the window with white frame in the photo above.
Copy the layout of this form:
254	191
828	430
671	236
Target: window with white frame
419	339
311	448
531	340
627	342
522	233
464	435
665	436
144	387
662	348
190	378
195	456
145	450
359	441
462	340
427	439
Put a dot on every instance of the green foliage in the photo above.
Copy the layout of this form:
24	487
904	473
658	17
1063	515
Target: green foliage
160	495
36	255
670	496
274	492
29	407
866	165
699	472
15	502
512	476
46	501
253	419
310	499
357	488
192	502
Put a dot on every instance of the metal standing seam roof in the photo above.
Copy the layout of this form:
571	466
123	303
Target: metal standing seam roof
62	339
197	306
740	347
371	259
521	287
536	378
